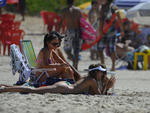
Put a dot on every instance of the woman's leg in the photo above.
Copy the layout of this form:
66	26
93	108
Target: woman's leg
101	55
62	72
1	85
60	87
67	72
15	89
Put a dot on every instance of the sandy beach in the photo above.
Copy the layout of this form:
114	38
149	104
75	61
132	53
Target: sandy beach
132	88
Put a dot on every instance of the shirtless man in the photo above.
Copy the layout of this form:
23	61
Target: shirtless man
71	15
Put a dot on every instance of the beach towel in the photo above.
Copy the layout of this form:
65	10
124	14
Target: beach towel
19	64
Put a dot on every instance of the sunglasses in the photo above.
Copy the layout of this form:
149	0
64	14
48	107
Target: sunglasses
56	44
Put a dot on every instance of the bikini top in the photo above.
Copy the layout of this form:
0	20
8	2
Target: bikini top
49	61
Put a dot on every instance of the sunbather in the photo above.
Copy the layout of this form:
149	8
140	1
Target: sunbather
95	83
77	75
48	58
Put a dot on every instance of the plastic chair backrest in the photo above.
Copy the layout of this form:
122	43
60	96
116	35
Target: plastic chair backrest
14	36
7	17
28	50
44	16
50	18
15	25
53	18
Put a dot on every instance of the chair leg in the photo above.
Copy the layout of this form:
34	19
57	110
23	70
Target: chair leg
0	48
135	61
145	67
8	50
4	49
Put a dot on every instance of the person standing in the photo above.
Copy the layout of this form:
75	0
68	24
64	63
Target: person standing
22	6
108	39
93	19
71	15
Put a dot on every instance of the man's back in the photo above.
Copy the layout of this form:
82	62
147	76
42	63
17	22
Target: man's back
72	17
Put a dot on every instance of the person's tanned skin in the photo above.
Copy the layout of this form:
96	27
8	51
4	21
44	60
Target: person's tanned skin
71	15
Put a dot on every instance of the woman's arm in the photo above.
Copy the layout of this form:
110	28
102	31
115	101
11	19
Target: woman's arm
59	52
57	57
77	75
86	84
42	61
108	83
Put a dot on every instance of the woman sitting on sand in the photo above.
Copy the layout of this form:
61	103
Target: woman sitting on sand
95	83
77	75
49	58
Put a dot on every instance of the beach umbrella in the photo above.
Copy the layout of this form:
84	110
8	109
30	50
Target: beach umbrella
128	3
85	7
140	13
2	3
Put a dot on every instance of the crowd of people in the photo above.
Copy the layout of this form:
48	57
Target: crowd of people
122	37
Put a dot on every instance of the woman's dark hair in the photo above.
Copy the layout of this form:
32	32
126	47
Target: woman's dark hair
60	36
51	36
92	73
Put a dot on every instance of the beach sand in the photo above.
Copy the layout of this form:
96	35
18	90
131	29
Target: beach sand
132	88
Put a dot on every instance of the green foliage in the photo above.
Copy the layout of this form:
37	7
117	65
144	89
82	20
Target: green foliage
35	6
78	2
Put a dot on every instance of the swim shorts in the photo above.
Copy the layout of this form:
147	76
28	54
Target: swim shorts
73	41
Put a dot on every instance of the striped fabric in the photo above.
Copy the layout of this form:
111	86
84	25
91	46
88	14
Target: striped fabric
29	52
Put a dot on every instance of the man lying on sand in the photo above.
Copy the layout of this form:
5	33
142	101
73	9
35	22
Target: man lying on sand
95	83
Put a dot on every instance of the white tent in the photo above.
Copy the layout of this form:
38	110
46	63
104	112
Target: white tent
140	13
125	4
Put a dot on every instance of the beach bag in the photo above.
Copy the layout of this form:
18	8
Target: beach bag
87	30
19	64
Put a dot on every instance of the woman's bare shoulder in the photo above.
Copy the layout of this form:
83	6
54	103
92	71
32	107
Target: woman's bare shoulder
87	80
42	53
